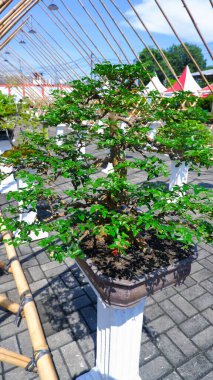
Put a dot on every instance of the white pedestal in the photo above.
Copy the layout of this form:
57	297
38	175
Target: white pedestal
118	343
153	129
100	130
9	183
59	132
179	175
81	148
28	216
109	169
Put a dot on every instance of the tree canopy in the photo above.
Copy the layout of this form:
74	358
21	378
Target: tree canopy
177	57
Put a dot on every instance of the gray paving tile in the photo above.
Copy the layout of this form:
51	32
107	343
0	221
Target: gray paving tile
208	377
87	343
196	267
201	275
170	351
172	376
75	304
12	345
155	369
208	285
195	368
203	302
11	329
194	325
90	316
183	305
55	271
182	342
209	354
78	326
208	314
8	286
153	312
174	312
192	292
25	343
36	273
204	338
61	369
148	352
49	265
207	264
77	365
20	373
90	359
165	293
60	338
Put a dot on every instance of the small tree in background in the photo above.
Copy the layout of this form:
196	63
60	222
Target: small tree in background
177	57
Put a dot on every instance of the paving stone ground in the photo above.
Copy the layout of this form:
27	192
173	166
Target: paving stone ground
181	316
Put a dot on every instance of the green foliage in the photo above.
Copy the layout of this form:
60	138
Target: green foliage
111	208
206	103
13	114
7	111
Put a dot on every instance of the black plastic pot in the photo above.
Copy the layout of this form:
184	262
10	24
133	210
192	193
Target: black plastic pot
5	133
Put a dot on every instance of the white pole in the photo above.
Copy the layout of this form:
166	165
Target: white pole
118	343
59	132
28	216
153	129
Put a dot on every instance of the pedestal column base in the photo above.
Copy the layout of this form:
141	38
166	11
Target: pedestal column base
118	343
94	374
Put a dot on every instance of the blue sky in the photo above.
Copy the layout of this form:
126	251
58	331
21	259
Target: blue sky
41	57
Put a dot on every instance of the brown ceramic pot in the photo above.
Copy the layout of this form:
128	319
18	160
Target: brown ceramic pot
126	293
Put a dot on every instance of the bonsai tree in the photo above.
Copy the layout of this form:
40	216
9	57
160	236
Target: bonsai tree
7	112
110	215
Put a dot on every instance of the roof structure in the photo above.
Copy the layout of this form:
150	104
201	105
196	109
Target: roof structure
155	84
206	89
187	81
208	72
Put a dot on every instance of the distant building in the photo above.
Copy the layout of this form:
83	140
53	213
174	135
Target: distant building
207	73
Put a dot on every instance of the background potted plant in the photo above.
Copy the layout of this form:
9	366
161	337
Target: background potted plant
129	239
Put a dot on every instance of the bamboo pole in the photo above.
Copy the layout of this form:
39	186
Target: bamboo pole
197	29
9	305
12	11
13	34
65	34
58	57
50	70
13	358
183	45
44	53
44	364
15	14
4	4
59	46
14	22
138	35
156	44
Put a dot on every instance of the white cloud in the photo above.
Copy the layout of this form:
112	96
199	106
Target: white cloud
177	14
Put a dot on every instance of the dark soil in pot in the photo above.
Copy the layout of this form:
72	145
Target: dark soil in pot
155	254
